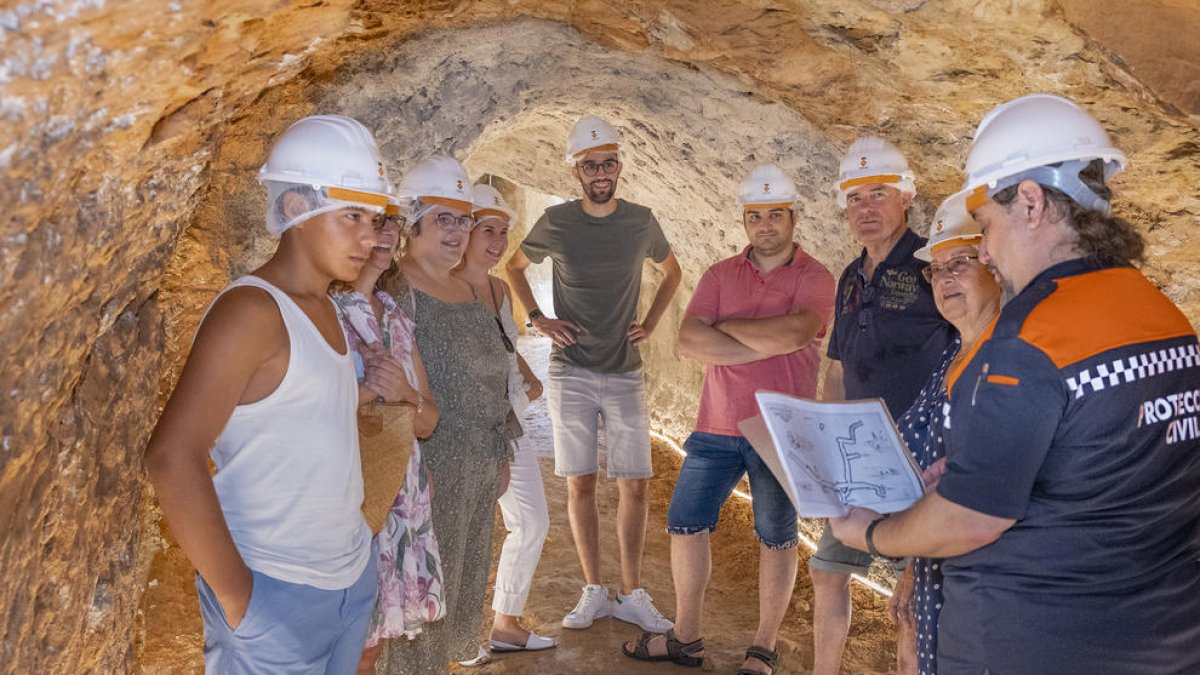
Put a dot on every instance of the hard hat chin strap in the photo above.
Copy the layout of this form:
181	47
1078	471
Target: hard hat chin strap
1063	177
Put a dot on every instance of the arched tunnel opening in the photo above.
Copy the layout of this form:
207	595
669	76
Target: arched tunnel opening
130	164
502	99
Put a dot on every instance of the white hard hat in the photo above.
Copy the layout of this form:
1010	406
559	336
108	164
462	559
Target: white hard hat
591	133
489	204
330	161
767	186
394	206
951	224
330	151
439	180
1021	139
873	160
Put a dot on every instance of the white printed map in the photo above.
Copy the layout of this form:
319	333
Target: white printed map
837	455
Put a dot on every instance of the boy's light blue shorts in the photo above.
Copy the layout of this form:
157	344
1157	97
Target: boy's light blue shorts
289	629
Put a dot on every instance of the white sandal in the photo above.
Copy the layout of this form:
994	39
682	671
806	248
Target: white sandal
482	658
535	643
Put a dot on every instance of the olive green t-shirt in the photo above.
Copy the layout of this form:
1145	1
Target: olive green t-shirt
597	275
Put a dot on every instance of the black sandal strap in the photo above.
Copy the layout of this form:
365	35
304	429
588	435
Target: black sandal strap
684	653
642	650
768	657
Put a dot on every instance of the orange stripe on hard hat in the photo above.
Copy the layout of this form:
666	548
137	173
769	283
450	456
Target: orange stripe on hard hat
776	205
977	198
347	195
392	210
489	213
956	241
607	147
867	180
449	203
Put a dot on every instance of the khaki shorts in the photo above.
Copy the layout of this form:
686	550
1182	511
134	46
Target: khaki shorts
578	398
837	558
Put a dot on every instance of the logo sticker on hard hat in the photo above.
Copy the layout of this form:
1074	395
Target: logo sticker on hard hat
594	136
380	169
939	227
459	185
862	162
766	188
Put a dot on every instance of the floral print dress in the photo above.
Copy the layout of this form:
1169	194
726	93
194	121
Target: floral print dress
410	567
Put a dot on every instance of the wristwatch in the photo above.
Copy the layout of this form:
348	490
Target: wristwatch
534	315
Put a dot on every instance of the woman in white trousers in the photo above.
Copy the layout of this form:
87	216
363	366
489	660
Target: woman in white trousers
523	504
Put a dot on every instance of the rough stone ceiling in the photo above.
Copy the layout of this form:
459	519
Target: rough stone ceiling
130	130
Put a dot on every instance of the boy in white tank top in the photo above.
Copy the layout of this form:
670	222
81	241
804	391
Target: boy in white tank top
285	574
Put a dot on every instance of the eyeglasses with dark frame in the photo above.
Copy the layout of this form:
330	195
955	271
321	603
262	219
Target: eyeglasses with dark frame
954	267
448	222
592	168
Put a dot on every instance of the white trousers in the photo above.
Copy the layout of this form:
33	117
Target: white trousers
523	506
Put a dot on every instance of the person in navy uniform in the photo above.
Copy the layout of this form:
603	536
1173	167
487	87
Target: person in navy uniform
1068	507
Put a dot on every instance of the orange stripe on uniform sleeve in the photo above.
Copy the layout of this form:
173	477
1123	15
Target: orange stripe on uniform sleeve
1003	379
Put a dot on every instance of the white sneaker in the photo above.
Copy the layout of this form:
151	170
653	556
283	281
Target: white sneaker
638	608
593	604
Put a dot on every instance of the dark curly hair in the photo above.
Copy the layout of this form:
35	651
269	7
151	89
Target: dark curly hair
1107	239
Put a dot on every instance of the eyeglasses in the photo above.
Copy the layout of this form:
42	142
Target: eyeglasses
390	221
592	168
449	222
508	345
954	267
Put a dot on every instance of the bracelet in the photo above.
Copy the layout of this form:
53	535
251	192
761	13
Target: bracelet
534	315
871	536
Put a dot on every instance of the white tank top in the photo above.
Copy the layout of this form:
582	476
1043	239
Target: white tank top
288	473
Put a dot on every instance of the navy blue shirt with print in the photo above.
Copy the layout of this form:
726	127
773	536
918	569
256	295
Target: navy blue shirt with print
887	333
1078	417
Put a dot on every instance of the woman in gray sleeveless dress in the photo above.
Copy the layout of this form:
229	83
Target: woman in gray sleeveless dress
467	369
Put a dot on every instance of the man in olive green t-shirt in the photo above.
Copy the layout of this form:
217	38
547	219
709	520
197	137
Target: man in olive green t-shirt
597	246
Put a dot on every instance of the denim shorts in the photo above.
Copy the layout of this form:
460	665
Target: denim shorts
578	398
711	470
289	629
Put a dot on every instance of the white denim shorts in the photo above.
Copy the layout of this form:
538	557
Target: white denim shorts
578	399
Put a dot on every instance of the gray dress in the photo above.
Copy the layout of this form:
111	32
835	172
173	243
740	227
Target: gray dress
467	368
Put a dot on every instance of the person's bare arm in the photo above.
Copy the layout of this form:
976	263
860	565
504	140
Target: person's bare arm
561	332
384	379
934	527
425	421
835	385
700	341
514	269
535	385
640	331
239	356
774	335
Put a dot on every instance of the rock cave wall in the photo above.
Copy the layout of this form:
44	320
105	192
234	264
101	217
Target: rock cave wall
131	132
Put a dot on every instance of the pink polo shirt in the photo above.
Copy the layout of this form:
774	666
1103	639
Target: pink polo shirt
735	289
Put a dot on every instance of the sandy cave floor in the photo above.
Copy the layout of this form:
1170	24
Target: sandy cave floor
169	634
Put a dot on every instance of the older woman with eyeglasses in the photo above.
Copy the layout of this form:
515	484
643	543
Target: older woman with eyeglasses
523	504
467	369
968	296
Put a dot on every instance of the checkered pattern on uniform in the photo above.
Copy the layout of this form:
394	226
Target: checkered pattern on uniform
1136	367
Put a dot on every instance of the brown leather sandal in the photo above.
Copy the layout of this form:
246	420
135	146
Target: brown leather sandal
680	653
769	658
